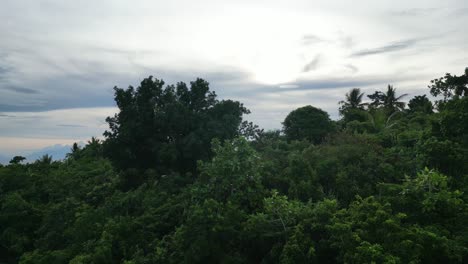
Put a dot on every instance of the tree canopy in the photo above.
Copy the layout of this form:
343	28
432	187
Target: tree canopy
168	128
181	178
307	123
450	85
353	101
388	100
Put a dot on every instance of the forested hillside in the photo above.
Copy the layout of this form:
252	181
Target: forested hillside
181	178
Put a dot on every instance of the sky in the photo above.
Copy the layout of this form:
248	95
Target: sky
60	59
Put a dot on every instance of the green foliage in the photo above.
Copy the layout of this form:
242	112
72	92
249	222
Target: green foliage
168	129
453	122
421	104
353	102
450	85
17	159
232	175
388	100
308	123
180	178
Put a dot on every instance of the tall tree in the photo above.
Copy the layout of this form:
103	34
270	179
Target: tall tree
168	128
352	108
388	100
450	85
421	104
308	123
353	101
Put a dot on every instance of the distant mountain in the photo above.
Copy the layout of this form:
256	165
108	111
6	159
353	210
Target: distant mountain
58	152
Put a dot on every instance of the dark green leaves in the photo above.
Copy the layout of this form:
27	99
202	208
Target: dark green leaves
308	123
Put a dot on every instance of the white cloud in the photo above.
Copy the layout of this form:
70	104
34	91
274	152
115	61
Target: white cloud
70	54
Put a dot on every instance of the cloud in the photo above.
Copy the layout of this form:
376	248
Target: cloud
415	12
19	89
331	83
451	12
223	77
75	64
64	123
346	41
86	79
352	68
392	47
69	125
288	86
311	39
460	12
340	39
313	64
91	86
4	72
61	92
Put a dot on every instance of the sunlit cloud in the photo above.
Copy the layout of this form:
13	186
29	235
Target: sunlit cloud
273	56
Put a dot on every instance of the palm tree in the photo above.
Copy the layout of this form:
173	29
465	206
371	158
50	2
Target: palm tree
46	159
387	100
380	122
353	101
391	101
94	147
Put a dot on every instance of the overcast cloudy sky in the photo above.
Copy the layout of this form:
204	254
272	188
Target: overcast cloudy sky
60	59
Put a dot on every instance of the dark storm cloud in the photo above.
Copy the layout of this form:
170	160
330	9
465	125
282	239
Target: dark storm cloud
392	47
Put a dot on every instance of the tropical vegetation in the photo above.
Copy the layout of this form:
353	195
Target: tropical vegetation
181	177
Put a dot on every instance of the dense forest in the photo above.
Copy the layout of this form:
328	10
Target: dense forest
181	177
